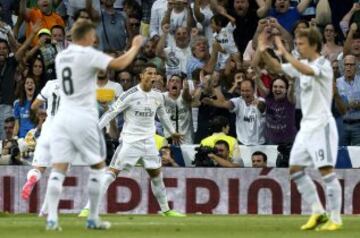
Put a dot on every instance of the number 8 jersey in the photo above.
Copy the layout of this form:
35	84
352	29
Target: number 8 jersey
76	69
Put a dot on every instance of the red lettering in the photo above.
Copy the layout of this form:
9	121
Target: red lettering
34	199
277	195
68	204
295	206
321	193
113	206
355	199
8	192
234	199
153	206
214	195
296	197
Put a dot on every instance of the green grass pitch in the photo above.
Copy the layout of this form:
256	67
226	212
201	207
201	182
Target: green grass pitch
193	226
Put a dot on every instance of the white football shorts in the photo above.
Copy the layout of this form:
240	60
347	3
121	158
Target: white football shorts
77	133
318	148
127	155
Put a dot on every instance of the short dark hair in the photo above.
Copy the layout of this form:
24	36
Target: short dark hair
222	142
218	123
260	153
148	65
81	28
250	81
314	37
220	20
167	147
9	119
58	27
78	12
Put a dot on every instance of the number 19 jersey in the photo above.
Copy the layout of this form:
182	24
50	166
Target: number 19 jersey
76	69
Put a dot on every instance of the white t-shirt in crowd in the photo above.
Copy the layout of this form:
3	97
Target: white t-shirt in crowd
226	39
180	114
205	24
176	59
158	10
109	90
250	122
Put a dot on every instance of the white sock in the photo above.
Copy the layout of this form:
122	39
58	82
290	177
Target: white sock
159	191
333	197
34	173
308	191
109	177
95	185
53	192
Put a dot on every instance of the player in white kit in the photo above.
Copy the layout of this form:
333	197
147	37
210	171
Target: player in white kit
75	127
316	143
50	95
140	105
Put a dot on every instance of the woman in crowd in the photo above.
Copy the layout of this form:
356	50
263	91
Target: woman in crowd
37	72
280	111
330	47
22	107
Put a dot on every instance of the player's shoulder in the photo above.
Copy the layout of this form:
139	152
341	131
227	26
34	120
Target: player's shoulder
128	93
157	93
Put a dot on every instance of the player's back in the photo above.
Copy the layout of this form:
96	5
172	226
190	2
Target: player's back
76	69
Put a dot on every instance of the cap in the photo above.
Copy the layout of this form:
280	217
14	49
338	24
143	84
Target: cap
44	31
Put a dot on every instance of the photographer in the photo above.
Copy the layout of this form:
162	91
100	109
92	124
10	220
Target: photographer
221	157
167	157
220	128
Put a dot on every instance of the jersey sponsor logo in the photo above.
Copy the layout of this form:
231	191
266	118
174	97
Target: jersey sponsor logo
146	113
128	92
249	119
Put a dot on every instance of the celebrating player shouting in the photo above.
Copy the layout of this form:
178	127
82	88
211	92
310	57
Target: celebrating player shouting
140	105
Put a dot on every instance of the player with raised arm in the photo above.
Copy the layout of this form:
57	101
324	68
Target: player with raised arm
75	127
316	142
139	106
50	95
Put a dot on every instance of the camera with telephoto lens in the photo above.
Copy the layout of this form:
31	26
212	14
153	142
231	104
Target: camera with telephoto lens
201	157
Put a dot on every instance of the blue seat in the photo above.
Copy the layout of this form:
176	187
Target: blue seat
343	158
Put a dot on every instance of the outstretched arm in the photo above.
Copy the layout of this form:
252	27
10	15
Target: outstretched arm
114	109
126	59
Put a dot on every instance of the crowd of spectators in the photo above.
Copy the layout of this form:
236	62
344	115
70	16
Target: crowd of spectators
207	60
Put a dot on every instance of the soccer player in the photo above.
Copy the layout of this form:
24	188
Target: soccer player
140	105
75	127
316	142
51	95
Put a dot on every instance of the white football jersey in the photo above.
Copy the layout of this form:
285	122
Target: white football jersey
50	93
139	109
181	117
76	69
316	93
226	39
250	122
